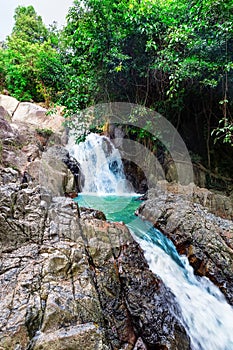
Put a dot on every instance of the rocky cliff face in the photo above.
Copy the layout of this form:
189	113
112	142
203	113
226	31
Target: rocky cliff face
32	143
72	283
68	280
206	239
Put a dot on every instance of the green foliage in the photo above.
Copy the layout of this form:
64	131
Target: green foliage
173	56
169	55
28	26
128	48
31	69
44	132
224	132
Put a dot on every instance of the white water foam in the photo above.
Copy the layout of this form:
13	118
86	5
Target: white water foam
101	166
207	316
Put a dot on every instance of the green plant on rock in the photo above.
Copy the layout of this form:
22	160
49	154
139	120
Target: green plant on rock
44	132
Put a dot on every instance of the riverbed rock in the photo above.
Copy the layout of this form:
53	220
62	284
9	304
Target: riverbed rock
72	283
89	213
216	203
206	239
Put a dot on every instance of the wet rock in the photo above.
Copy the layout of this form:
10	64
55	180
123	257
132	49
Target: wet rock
71	194
133	300
144	294
54	172
72	283
135	175
206	239
88	213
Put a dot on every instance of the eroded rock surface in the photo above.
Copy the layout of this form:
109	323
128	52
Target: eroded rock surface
206	239
216	203
72	283
36	154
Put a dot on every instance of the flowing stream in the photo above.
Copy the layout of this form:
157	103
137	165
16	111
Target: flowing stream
207	317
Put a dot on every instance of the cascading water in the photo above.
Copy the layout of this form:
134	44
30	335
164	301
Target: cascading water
101	166
207	317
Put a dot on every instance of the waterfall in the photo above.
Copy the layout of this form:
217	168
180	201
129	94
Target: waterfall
206	315
101	166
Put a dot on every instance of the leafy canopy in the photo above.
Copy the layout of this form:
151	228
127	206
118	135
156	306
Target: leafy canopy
31	66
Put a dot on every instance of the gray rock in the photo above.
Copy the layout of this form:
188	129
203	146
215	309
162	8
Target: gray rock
55	171
86	336
72	283
35	116
4	114
9	103
9	175
22	216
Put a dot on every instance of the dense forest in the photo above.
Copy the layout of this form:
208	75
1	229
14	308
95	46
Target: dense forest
174	56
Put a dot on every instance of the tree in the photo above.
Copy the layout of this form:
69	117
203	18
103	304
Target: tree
32	68
173	56
28	26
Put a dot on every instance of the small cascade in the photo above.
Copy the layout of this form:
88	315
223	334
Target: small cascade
207	316
101	166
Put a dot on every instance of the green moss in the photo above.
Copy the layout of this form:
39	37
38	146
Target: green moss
44	132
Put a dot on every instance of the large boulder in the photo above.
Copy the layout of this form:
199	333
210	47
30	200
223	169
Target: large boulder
33	154
72	283
9	103
217	203
206	239
59	171
36	115
18	144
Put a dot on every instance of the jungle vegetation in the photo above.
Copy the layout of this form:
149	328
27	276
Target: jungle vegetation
174	56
